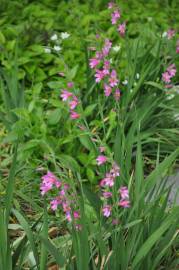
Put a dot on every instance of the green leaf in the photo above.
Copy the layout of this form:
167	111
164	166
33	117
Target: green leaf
152	240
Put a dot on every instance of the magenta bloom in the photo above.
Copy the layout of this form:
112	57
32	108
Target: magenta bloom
99	75
48	181
68	216
65	95
107	90
94	62
169	73
101	160
166	77
107	181
76	215
172	70
124	203
74	103
74	115
54	204
113	81
115	16
117	94
106	210
122	29
107	194
170	33
70	84
124	193
107	47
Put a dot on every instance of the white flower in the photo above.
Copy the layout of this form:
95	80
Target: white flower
54	37
137	76
170	96
116	48
65	35
47	50
164	34
125	82
111	60
57	48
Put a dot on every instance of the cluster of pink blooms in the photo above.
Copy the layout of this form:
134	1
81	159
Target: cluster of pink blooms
107	184
64	199
168	75
72	101
103	71
101	62
115	16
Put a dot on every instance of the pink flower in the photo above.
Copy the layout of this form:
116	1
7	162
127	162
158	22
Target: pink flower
107	181
172	70
101	160
170	33
107	90
58	184
115	171
62	192
124	193
115	16
166	77
107	194
99	55
110	5
117	94
74	115
68	216
170	73
76	215
66	186
94	62
107	47
102	149
65	95
99	75
48	180
70	84
73	103
113	81
106	210
169	86
66	207
122	29
124	203
54	204
106	67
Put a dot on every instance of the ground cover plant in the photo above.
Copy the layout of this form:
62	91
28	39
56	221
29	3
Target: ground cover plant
89	135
